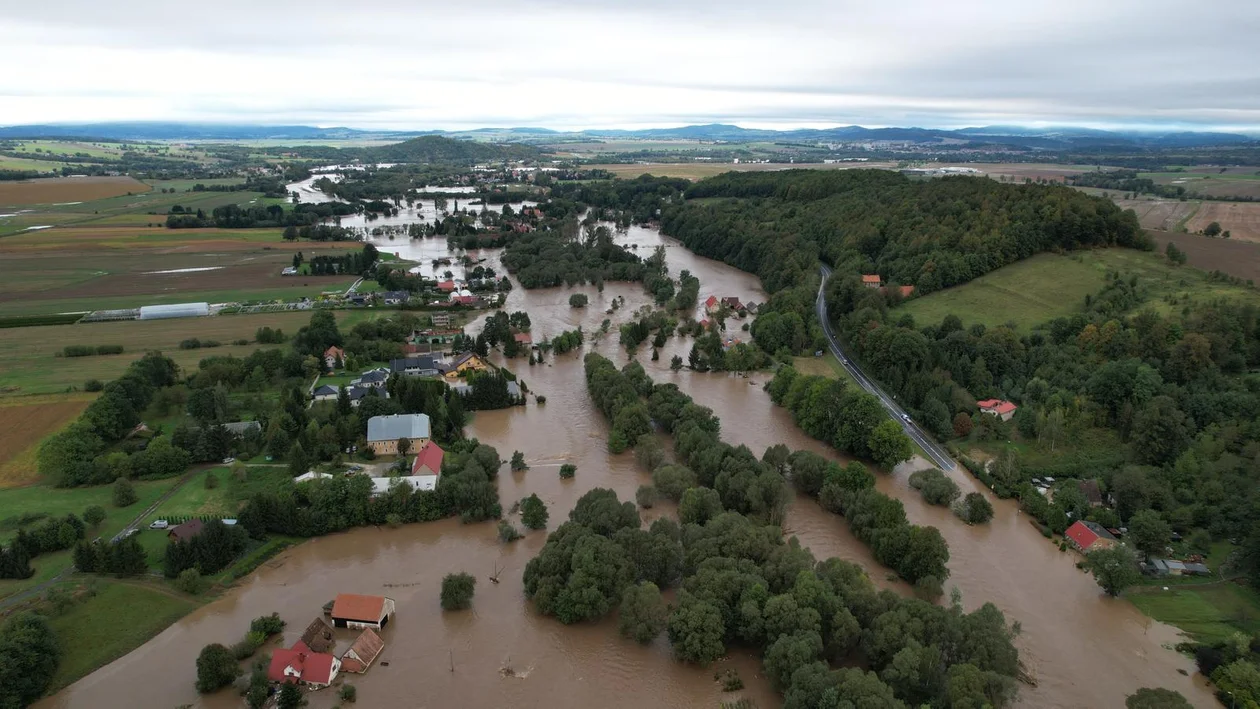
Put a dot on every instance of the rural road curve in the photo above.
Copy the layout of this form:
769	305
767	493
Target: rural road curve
940	457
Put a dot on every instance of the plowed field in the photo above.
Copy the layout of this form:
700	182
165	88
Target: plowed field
26	421
67	189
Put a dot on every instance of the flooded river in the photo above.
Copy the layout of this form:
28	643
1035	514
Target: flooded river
1085	650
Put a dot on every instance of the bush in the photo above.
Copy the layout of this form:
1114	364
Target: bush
216	668
94	515
124	493
93	385
212	481
645	496
191	582
457	591
568	470
578	300
518	462
508	531
268	625
975	508
394	520
348	693
935	487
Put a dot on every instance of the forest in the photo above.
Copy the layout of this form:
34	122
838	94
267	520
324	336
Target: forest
740	584
545	259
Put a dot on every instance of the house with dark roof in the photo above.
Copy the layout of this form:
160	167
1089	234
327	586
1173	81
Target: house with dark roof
325	392
352	610
367	647
372	378
1088	536
420	366
395	297
733	303
187	530
358	393
384	432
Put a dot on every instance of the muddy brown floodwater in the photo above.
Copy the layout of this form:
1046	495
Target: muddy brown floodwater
1084	649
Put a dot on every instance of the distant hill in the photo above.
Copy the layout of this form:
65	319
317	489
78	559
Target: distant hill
1053	138
435	148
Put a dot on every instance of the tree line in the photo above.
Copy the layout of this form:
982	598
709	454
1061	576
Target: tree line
742	585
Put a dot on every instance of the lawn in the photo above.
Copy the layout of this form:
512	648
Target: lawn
1208	613
57	502
195	499
1047	286
120	618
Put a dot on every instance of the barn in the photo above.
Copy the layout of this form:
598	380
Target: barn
351	610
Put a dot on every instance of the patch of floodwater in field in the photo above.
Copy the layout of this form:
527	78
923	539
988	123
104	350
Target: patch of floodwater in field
184	270
37	228
65	204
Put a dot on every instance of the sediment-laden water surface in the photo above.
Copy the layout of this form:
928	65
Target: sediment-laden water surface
1084	650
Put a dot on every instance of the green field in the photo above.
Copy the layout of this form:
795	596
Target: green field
120	618
194	499
1047	286
1208	613
11	163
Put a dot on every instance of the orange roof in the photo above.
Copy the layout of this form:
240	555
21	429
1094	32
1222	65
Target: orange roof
870	278
352	606
523	338
428	457
364	651
907	291
997	405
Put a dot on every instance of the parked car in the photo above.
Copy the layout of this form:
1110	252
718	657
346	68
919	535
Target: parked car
229	461
159	524
131	532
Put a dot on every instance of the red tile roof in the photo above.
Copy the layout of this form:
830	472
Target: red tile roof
1084	536
352	606
313	667
428	459
522	338
712	301
871	278
447	286
997	406
363	653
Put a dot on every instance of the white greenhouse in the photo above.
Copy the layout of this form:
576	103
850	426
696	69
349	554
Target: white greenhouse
174	310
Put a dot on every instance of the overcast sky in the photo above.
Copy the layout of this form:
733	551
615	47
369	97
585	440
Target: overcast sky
634	63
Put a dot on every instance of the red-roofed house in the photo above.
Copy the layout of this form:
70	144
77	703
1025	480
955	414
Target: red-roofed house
446	286
351	610
1002	409
299	664
1088	536
711	304
470	300
522	338
428	459
334	357
871	280
733	303
363	653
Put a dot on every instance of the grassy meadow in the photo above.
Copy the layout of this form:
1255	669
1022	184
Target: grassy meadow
1048	286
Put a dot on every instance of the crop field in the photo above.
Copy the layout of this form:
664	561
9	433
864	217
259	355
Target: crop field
1242	219
26	421
66	189
1233	256
31	366
1160	214
12	163
1212	181
1047	286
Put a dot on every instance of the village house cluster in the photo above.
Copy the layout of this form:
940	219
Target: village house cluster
313	662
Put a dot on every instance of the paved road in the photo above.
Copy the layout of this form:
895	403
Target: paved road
940	457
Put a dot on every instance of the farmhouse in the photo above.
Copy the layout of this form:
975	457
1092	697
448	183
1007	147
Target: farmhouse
997	407
334	357
301	665
421	366
319	636
187	530
1088	536
428	460
522	338
381	486
733	303
384	432
351	610
871	280
363	653
446	286
710	304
